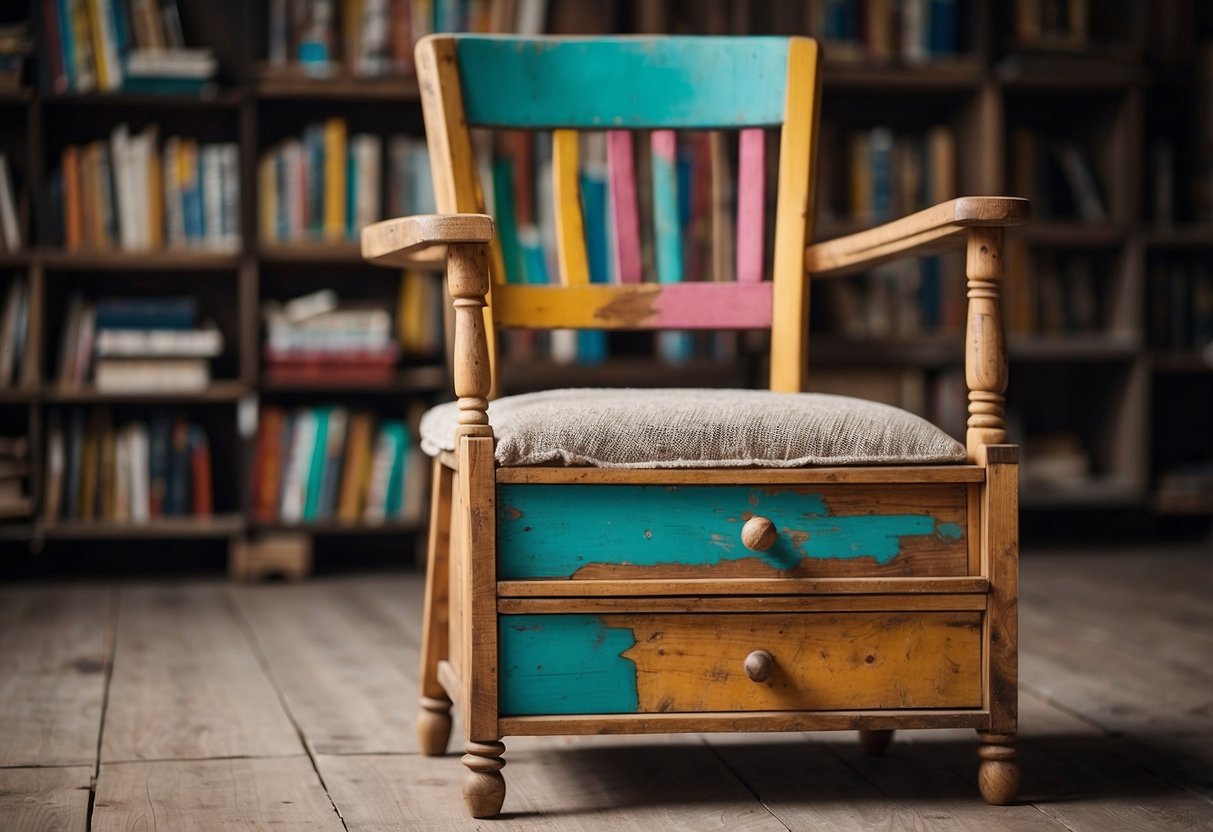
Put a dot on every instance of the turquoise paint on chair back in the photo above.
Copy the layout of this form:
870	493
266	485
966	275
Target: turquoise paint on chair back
552	531
565	664
640	82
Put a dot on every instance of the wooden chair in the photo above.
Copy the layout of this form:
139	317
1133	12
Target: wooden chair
574	599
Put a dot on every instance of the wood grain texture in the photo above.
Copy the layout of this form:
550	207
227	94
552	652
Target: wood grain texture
468	284
403	242
574	786
589	588
55	648
934	719
577	663
636	82
1000	563
635	306
743	603
433	720
650	532
45	799
566	201
728	476
934	228
187	684
985	343
185	795
316	651
478	497
794	218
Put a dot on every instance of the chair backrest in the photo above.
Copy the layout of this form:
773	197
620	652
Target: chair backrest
620	85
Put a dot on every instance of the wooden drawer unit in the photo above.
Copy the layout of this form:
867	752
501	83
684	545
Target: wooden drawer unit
578	663
627	532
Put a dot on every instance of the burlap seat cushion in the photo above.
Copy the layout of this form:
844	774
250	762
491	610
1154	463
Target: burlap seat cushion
681	428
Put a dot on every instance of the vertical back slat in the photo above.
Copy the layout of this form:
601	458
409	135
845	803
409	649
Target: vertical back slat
794	219
722	205
625	214
751	205
570	228
666	226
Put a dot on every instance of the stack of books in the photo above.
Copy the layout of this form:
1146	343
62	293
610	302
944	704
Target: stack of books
137	344
327	185
326	463
129	194
318	339
134	472
14	478
131	45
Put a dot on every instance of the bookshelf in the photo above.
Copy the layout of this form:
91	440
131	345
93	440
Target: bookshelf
1110	102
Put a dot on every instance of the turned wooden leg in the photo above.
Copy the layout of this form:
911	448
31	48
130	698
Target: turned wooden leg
875	743
483	787
998	774
434	725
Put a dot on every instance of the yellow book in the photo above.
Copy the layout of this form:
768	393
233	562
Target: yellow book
334	179
98	37
267	197
155	192
356	474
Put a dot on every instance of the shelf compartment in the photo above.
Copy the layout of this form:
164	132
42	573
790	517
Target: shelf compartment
141	261
288	84
164	528
217	392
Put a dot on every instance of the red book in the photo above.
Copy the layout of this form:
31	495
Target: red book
200	465
267	463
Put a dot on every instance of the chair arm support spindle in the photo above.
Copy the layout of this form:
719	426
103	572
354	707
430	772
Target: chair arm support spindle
468	282
985	343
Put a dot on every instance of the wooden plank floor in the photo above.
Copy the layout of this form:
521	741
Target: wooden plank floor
199	705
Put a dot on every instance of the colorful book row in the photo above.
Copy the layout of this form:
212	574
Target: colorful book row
881	31
328	463
132	472
128	194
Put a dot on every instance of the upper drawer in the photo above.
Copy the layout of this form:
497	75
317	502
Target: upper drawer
668	531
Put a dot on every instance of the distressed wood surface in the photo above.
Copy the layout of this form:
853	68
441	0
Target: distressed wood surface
187	684
45	799
635	306
903	474
566	201
580	663
589	588
844	603
316	652
625	211
638	82
934	228
55	649
742	722
591	531
185	795
985	343
434	722
402	242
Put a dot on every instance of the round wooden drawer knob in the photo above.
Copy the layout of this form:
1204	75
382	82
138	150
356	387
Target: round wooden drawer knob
758	666
758	534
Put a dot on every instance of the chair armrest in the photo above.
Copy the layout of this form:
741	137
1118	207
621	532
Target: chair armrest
930	230
419	241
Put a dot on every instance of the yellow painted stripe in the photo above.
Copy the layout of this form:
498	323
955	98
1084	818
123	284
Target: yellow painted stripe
793	219
707	305
570	229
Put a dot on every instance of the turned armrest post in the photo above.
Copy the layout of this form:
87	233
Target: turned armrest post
468	282
985	344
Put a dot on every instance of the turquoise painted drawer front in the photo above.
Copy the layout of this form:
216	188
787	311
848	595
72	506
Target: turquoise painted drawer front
649	531
571	663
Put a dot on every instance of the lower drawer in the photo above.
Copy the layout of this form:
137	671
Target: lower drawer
693	663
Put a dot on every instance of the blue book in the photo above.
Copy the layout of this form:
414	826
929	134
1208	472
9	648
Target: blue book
147	313
315	470
159	448
122	30
192	204
351	194
592	343
881	162
177	492
67	43
941	27
397	434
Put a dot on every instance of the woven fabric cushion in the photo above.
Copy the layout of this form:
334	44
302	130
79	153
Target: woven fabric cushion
680	428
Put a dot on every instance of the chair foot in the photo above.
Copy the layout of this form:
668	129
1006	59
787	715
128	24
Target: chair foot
483	786
998	774
434	725
875	743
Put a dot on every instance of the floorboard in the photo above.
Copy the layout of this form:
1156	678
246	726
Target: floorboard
187	683
54	648
186	795
45	799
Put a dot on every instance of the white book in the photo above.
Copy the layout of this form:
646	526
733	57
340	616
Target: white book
374	59
141	343
150	374
125	188
122	476
368	162
297	310
8	209
294	477
212	196
230	155
137	443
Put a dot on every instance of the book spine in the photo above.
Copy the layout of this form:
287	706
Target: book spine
202	489
313	464
159	449
334	178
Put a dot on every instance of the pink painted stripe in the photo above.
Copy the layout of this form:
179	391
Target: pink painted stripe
751	183
713	306
625	215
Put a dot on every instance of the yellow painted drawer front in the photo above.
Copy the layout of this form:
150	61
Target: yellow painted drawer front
691	663
555	531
